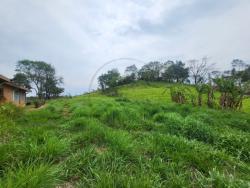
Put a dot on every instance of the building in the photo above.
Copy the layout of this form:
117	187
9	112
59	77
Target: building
11	92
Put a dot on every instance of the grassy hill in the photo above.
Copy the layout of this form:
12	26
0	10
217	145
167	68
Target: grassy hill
138	139
159	92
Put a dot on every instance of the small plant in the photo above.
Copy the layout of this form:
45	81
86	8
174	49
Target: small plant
179	94
39	102
231	93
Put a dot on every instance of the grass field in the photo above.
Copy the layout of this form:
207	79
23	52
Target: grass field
160	92
139	139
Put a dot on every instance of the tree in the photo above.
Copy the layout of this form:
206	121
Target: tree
109	80
21	80
201	89
131	70
210	95
246	88
215	74
51	86
238	65
42	78
246	75
199	69
176	72
179	93
165	74
131	73
150	71
231	93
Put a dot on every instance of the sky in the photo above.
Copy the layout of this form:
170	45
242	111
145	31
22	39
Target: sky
79	36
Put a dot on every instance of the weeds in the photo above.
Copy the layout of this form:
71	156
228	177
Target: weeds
101	141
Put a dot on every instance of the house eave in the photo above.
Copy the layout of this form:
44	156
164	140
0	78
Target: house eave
15	86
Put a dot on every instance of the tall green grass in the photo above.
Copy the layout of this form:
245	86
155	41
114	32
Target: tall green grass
125	141
31	176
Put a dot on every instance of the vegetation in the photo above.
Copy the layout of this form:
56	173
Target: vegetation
132	140
148	128
39	76
232	85
109	80
22	80
175	72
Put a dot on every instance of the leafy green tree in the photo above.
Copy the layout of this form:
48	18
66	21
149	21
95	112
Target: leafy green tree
21	80
210	95
180	93
131	73
51	87
150	71
232	93
109	80
176	72
239	71
246	88
239	65
245	76
42	78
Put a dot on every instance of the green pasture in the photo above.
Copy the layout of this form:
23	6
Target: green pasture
136	139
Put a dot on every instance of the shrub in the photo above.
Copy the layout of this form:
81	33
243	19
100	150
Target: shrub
38	103
178	94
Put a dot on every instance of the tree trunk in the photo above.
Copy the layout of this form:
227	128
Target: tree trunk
195	80
200	99
210	98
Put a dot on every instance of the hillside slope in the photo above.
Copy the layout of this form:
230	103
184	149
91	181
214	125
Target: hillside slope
160	92
126	141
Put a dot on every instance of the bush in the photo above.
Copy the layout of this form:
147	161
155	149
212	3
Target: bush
38	103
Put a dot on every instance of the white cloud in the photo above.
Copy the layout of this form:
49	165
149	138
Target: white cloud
79	36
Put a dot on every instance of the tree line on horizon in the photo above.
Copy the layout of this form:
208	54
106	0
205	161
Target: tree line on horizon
153	71
232	84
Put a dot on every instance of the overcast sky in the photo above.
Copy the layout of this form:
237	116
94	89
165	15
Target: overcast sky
79	36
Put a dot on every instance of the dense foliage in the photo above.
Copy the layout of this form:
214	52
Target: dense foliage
175	72
233	85
39	76
109	80
170	71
